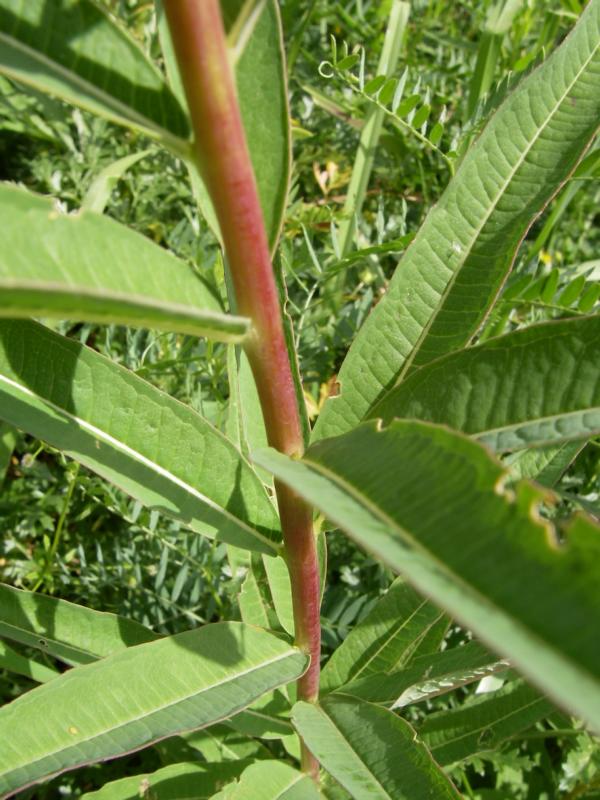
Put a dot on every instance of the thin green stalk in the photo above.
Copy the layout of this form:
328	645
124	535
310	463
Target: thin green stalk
223	160
363	163
51	555
296	44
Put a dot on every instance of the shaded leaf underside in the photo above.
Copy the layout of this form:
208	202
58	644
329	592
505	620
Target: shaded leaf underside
432	504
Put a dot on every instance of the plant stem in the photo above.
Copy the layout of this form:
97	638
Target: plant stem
224	162
50	556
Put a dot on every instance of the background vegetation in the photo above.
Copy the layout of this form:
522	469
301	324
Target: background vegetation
68	533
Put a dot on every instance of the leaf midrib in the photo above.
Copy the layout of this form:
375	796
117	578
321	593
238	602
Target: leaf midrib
126	449
485	726
356	754
158	710
120	108
408	362
537	421
206	316
441	566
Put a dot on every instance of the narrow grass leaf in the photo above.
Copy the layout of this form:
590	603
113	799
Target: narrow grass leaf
98	195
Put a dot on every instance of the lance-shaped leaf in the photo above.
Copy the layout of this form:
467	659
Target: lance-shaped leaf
270	780
192	780
545	465
280	588
428	676
450	275
262	91
73	633
484	722
77	52
150	445
8	440
371	752
386	639
434	505
259	65
131	699
85	266
267	718
13	661
537	386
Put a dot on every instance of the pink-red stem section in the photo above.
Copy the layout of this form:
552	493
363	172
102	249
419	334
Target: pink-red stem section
224	161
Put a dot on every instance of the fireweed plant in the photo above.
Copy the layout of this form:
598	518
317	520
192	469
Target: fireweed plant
436	452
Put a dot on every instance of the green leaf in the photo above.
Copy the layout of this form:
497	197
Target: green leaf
221	743
483	723
449	278
72	633
369	138
280	588
85	266
534	387
131	699
385	640
270	780
371	752
428	676
262	92
13	661
75	51
545	465
267	718
245	424
8	440
98	195
186	781
434	505
252	605
150	445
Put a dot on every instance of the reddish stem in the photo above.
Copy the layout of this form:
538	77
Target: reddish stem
224	161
